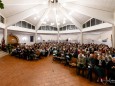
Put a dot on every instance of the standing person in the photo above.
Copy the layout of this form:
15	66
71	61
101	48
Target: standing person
3	44
111	69
100	68
81	63
76	53
9	48
91	64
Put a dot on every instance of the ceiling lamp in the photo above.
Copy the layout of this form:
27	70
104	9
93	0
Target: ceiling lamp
63	5
64	22
64	18
52	1
44	2
52	24
44	22
58	23
35	18
71	13
54	9
47	19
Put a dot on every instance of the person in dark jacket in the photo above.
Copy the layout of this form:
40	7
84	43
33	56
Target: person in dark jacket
90	66
100	66
111	69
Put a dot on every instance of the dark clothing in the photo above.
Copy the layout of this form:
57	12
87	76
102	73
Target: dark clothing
100	68
76	54
111	71
90	65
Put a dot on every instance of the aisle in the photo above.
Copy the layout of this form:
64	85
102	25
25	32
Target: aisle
2	53
18	72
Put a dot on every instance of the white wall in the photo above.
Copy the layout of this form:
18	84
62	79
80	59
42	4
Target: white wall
88	37
2	25
23	37
1	31
1	35
47	37
97	38
71	37
16	28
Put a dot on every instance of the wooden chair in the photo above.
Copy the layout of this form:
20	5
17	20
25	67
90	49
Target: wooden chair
73	62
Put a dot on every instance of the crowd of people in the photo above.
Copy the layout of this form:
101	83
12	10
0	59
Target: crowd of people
31	52
93	58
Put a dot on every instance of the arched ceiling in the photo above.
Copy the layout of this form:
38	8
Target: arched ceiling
38	12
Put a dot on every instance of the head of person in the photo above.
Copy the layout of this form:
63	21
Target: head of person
113	60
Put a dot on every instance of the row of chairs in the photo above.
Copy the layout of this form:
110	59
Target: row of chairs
66	58
27	55
86	72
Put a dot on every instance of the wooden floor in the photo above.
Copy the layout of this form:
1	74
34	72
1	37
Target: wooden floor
44	72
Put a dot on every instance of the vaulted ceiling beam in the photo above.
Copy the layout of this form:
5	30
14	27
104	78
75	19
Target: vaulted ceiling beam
24	14
91	12
75	22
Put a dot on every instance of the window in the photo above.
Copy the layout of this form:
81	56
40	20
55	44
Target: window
13	25
61	29
64	28
52	28
33	27
29	26
92	22
24	24
76	27
98	21
2	19
68	27
43	28
83	25
31	38
19	24
88	24
47	27
55	29
40	28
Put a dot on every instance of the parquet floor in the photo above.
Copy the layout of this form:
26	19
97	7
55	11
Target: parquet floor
44	72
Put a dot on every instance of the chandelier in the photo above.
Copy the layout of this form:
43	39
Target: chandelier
52	1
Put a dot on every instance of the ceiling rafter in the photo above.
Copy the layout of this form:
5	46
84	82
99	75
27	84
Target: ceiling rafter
23	15
77	24
91	12
42	17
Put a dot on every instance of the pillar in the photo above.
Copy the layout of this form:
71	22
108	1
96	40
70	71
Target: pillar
113	36
5	35
35	36
58	35
113	32
81	37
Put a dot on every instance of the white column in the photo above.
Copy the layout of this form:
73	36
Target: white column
113	36
5	35
113	32
81	37
35	36
58	35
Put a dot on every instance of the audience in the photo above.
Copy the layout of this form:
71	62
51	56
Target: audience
95	58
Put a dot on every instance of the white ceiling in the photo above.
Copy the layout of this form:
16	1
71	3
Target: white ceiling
73	8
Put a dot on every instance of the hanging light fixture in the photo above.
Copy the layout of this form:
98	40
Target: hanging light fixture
52	1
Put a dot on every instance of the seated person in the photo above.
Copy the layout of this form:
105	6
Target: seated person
81	63
90	64
111	68
67	57
100	68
